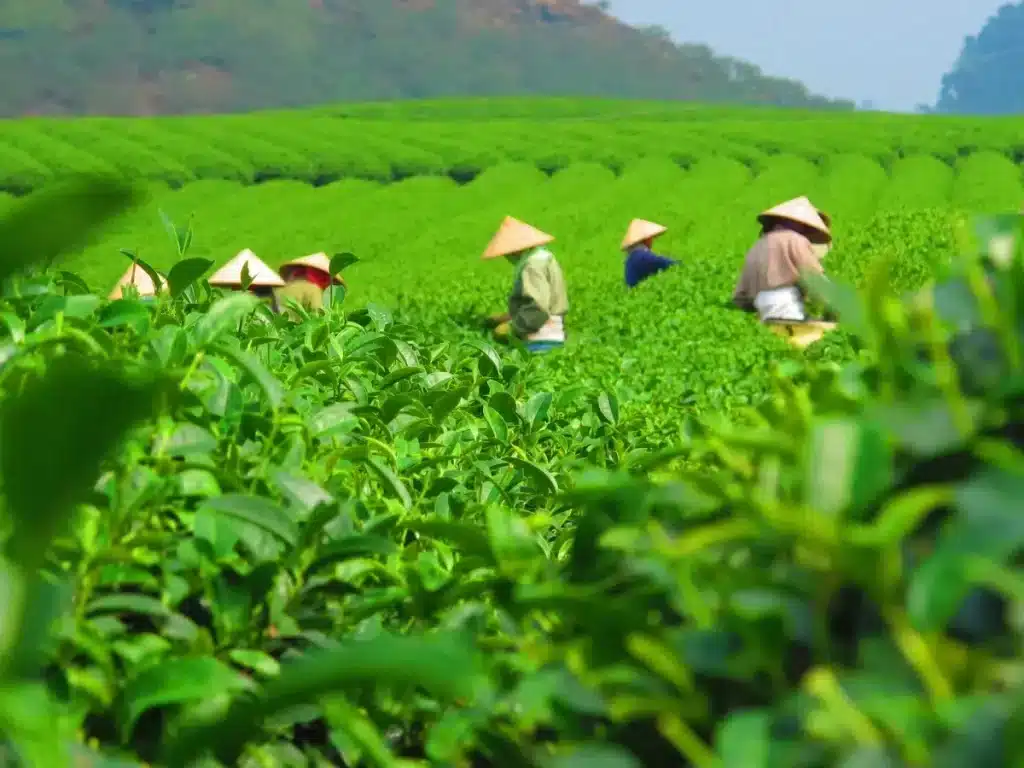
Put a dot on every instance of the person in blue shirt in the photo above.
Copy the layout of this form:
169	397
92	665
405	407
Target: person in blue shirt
641	261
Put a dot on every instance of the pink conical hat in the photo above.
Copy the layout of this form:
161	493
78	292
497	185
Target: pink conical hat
800	210
514	236
640	230
230	275
138	277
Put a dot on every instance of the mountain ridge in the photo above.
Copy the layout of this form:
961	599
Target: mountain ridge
149	57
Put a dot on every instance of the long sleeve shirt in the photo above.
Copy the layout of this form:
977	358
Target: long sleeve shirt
642	262
776	260
538	300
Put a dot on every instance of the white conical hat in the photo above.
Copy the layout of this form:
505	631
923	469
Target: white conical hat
640	230
319	261
514	236
230	274
800	210
138	277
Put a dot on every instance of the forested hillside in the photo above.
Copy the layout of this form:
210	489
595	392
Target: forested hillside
988	78
174	56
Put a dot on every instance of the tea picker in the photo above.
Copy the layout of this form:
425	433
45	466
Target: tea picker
642	262
795	237
538	301
264	279
306	279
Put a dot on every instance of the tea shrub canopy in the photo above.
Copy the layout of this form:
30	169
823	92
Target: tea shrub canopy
374	537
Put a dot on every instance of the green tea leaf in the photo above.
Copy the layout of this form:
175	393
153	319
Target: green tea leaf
441	664
177	681
268	383
185	273
340	261
256	511
387	474
744	740
497	424
223	317
848	464
60	219
54	437
541	479
608	407
593	756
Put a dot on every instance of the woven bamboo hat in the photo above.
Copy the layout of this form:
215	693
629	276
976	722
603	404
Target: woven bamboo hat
230	275
799	210
319	261
514	236
138	277
640	230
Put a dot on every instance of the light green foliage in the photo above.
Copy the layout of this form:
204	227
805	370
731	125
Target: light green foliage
372	537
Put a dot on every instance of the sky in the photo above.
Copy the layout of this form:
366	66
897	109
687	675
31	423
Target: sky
890	52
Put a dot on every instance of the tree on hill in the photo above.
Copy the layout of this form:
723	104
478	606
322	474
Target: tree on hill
988	77
177	56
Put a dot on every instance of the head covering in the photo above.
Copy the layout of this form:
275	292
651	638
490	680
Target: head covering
230	275
316	277
138	277
798	210
319	261
640	230
514	236
825	218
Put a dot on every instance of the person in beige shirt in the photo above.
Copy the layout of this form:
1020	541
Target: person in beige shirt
538	302
795	238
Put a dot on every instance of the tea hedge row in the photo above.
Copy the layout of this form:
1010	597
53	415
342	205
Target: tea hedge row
361	541
318	148
422	258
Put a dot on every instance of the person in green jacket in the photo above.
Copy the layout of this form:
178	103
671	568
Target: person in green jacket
538	302
306	279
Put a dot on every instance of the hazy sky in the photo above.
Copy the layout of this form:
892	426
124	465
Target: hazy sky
891	52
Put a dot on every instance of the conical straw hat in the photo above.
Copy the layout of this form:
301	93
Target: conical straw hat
800	210
640	230
138	277
315	260
514	236
230	275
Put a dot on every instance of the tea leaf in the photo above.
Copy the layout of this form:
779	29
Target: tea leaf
441	664
60	219
54	437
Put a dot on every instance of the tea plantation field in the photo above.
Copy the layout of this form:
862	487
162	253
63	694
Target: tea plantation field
374	538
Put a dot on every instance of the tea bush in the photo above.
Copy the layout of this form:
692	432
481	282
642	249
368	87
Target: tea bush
348	541
388	142
371	537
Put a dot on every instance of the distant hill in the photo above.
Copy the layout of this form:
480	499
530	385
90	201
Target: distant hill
145	57
988	77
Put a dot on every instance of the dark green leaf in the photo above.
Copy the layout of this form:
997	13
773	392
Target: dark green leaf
185	273
178	681
54	437
61	218
387	474
443	665
259	512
